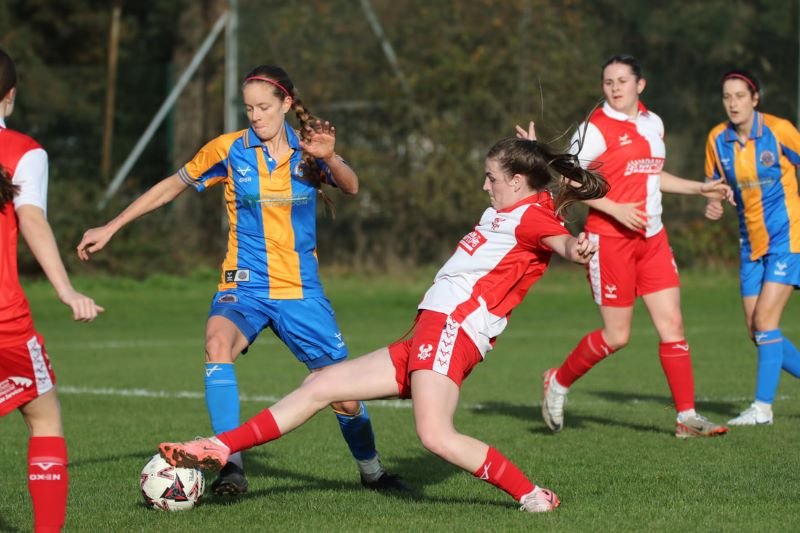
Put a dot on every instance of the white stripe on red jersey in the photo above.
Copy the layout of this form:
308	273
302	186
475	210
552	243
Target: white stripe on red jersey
494	266
629	153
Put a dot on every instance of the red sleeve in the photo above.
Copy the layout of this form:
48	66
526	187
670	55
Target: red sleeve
539	221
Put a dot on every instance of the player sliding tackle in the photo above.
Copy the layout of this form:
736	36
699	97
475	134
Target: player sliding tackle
459	319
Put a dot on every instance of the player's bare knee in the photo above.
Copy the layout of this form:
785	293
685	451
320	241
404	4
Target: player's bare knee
434	440
218	351
616	340
764	323
350	408
43	416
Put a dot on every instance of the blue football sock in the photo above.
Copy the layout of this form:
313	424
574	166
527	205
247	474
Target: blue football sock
222	396
357	432
791	358
770	359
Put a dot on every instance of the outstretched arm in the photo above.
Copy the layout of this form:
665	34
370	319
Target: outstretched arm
713	190
40	239
321	144
576	249
159	194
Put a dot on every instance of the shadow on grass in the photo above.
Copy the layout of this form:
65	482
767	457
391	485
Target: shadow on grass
720	408
574	420
143	455
418	472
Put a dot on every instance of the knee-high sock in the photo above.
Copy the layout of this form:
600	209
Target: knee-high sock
222	399
676	361
47	482
258	430
504	475
791	358
357	432
590	350
770	358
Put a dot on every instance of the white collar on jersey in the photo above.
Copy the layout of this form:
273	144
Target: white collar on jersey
2	122
618	115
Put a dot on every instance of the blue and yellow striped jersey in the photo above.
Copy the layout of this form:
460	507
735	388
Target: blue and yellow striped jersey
272	213
764	180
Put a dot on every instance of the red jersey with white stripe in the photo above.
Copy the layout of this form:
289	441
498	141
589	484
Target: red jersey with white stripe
629	153
22	157
494	266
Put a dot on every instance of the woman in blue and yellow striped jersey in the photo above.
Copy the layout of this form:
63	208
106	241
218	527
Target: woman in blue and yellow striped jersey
269	277
757	154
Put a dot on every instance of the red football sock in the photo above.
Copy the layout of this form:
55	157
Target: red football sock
47	482
676	361
258	430
504	475
590	350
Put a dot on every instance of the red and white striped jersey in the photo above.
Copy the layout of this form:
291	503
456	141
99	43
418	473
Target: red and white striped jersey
629	153
494	266
26	161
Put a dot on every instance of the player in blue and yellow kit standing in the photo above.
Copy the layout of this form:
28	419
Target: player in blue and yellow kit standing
756	154
269	278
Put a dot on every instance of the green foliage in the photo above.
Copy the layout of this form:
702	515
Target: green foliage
616	465
466	73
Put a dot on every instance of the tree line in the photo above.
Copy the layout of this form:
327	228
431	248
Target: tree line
416	130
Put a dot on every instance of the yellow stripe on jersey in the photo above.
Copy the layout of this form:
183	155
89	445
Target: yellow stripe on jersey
713	168
283	263
231	256
747	178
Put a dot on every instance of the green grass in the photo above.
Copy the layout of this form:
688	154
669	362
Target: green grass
616	465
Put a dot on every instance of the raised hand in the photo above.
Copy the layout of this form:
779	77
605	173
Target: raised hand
320	140
529	134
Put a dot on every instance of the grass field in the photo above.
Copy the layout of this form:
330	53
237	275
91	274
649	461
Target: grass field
134	378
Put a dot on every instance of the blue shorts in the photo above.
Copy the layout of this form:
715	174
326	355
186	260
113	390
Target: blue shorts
308	326
776	268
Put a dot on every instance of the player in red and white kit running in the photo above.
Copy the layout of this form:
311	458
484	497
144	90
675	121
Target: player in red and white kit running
624	141
459	318
27	382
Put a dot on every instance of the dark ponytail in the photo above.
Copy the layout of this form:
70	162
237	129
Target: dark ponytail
7	188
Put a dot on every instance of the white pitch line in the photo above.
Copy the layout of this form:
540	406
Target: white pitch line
269	399
194	395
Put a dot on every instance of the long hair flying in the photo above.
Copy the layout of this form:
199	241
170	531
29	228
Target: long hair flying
544	167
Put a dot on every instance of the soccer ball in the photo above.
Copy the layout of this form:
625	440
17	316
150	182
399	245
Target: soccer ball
168	488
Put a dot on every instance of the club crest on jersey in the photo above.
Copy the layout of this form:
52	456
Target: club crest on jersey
496	223
298	170
424	351
472	241
237	276
766	158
